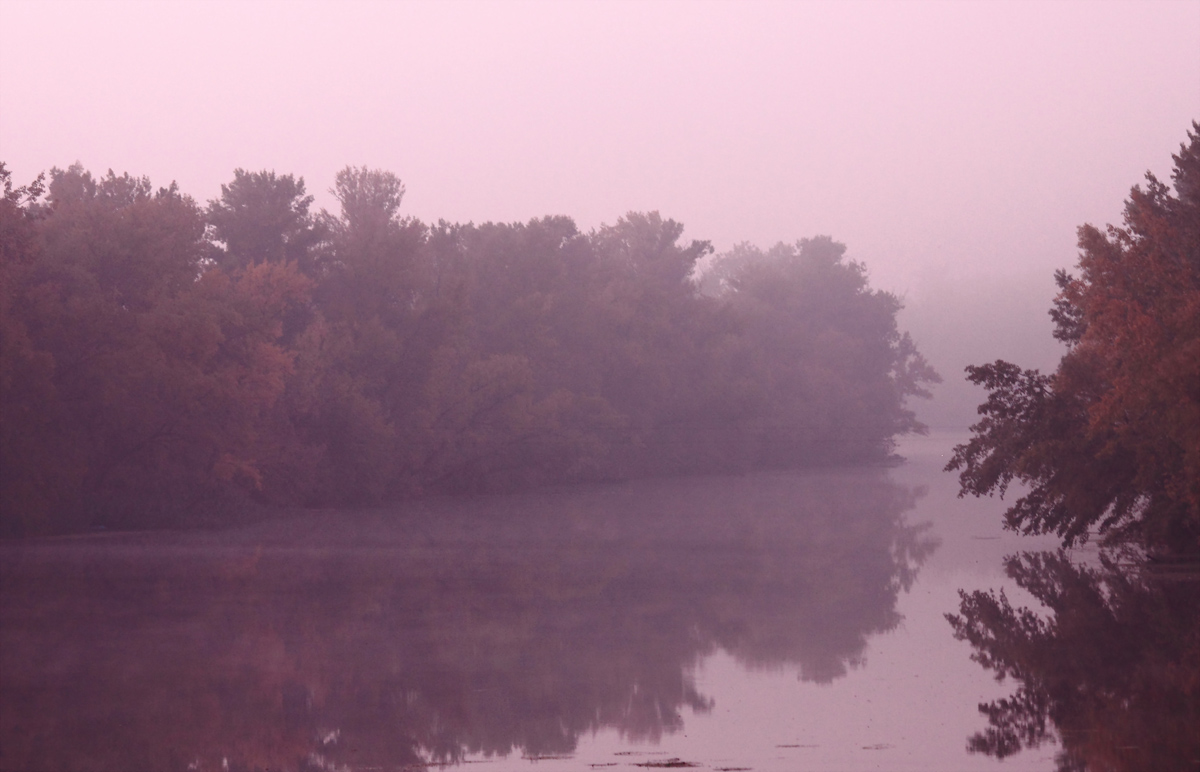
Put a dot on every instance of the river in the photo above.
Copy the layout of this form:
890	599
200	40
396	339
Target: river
772	621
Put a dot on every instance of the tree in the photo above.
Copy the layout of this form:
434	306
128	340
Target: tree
361	362
159	356
1111	440
38	463
1107	445
832	368
263	217
137	380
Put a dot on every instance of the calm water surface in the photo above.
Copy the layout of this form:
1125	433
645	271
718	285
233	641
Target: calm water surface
786	621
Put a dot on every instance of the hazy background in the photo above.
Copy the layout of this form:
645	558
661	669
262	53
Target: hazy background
954	147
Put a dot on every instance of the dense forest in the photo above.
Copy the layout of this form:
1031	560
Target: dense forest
169	364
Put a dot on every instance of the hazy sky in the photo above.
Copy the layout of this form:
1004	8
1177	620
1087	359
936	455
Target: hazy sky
940	141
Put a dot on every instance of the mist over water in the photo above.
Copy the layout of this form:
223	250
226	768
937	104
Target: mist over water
512	627
766	621
400	385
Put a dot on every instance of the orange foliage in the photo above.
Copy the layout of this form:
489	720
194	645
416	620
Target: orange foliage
1112	440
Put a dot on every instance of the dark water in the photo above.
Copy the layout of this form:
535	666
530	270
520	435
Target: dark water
773	621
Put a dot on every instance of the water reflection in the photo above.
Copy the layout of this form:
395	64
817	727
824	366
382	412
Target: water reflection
385	640
1111	670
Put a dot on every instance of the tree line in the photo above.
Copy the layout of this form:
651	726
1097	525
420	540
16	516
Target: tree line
169	364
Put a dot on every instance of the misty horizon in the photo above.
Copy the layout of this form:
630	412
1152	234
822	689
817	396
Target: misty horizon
773	385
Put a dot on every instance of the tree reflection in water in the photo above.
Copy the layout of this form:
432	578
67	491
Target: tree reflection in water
1113	669
379	640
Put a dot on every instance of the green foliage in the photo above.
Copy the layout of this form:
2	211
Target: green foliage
166	363
1111	441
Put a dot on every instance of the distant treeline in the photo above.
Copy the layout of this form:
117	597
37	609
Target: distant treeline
168	364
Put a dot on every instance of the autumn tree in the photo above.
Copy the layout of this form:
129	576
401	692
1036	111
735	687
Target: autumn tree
162	359
1109	443
39	464
359	372
152	373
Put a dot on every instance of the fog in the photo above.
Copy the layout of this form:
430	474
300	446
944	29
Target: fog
953	147
574	418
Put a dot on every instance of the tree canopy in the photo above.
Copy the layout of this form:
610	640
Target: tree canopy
1109	444
167	363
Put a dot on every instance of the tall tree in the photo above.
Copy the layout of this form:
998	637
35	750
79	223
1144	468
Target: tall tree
40	464
363	360
1111	440
264	217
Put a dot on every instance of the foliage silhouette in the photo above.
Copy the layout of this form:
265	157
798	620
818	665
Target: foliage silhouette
1111	441
1109	445
1111	667
172	365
